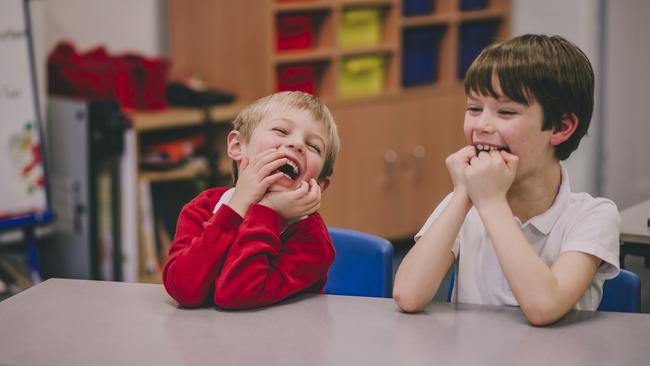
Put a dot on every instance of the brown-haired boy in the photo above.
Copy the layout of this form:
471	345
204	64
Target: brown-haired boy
262	240
521	236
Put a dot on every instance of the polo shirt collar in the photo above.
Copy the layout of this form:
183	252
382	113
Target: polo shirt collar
545	221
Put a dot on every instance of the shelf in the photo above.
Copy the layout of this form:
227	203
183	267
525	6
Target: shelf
302	56
302	6
487	14
183	117
367	50
190	170
431	19
366	3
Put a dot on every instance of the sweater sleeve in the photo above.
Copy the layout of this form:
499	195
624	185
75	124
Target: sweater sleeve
262	267
198	250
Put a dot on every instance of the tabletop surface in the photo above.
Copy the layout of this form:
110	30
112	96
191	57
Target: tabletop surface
76	322
634	223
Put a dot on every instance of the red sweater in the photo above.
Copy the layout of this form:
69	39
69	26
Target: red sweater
244	262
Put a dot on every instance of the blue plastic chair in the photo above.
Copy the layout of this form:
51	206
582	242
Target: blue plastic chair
363	265
622	293
451	281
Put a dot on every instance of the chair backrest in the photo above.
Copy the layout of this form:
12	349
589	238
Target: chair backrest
452	278
363	265
622	293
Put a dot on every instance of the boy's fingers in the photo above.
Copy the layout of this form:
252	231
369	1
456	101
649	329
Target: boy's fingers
271	166
473	161
270	180
468	151
266	157
511	160
314	189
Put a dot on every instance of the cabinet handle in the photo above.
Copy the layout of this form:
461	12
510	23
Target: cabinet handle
390	168
419	153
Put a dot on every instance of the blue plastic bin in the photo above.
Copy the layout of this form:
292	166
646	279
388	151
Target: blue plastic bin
473	4
420	55
474	37
417	7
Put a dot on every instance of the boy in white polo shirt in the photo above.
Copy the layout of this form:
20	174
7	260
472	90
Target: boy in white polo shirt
521	236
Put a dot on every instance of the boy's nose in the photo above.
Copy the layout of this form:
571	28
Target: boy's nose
296	145
484	123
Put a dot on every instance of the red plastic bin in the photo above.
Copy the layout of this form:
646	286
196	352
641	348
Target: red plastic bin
294	32
297	78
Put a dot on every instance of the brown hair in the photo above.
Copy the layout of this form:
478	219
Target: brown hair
248	119
548	69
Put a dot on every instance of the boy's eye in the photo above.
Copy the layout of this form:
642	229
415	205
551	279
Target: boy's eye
474	109
315	148
507	112
280	130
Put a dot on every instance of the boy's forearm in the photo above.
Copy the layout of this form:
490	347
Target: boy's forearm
532	282
420	273
257	272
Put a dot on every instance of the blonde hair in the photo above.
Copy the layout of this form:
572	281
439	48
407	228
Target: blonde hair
248	119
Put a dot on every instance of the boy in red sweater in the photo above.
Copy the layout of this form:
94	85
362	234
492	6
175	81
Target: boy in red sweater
263	240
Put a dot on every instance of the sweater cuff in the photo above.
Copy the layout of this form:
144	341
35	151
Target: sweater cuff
226	218
265	216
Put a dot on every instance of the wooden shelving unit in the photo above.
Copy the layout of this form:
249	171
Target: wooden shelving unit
390	173
169	120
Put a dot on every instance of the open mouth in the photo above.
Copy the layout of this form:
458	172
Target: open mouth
290	169
488	148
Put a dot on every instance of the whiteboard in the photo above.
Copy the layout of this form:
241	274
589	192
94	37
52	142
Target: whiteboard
23	189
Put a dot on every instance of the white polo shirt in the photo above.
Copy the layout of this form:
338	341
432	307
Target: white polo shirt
575	222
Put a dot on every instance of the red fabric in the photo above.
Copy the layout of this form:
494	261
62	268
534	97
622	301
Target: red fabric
245	262
135	81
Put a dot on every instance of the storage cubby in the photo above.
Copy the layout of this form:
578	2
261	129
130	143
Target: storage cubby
420	52
473	37
390	70
417	7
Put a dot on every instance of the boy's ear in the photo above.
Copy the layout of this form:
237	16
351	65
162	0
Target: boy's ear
234	145
567	128
324	184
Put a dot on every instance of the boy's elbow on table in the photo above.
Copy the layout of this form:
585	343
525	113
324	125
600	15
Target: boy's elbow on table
540	315
406	303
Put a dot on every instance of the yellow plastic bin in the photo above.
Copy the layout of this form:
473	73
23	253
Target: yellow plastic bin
360	27
362	75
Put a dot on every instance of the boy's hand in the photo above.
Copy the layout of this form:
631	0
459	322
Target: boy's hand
302	201
254	179
489	176
456	164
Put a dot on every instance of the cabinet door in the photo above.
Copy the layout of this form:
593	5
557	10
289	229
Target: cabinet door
366	185
391	173
436	132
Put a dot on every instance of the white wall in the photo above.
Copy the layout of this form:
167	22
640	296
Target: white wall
577	21
119	25
626	149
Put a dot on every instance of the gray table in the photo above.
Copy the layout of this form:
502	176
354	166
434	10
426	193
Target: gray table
635	232
72	322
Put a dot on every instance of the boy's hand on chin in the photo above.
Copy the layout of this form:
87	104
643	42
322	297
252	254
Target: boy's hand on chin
254	179
489	176
302	201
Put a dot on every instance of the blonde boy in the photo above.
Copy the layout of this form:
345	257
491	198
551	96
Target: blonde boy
261	241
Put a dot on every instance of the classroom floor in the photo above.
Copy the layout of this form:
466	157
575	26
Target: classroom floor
632	263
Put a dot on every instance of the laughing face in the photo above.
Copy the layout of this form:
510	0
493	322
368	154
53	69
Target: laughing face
300	138
502	124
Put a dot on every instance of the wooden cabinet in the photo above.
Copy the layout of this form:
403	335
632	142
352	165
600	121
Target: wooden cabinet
394	87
